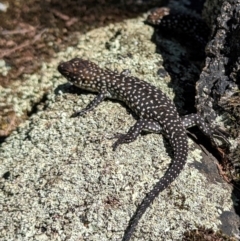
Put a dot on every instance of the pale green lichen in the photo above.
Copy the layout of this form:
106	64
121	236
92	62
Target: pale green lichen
63	171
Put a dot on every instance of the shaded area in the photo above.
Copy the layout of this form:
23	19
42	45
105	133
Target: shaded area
182	48
218	86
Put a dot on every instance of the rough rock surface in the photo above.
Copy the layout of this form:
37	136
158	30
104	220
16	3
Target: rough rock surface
218	95
60	179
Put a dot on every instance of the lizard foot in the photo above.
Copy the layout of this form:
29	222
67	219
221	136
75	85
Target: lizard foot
121	139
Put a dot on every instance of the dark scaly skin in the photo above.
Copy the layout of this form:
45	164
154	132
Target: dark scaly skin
155	110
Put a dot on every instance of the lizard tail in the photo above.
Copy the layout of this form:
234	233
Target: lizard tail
180	148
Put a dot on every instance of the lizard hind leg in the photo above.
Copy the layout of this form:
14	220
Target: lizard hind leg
135	131
196	120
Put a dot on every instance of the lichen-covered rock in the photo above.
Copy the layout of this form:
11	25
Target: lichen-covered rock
60	179
218	86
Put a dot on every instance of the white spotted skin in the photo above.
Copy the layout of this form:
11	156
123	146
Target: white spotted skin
155	111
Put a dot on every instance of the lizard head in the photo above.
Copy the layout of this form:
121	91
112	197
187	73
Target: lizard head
81	73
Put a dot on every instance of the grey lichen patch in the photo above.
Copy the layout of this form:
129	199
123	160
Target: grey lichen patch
65	173
60	179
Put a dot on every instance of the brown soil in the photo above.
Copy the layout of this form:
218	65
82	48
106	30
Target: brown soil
33	30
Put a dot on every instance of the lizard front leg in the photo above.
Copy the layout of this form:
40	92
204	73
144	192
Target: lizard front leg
94	103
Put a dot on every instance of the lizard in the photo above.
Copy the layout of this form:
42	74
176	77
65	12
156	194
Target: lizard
156	113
